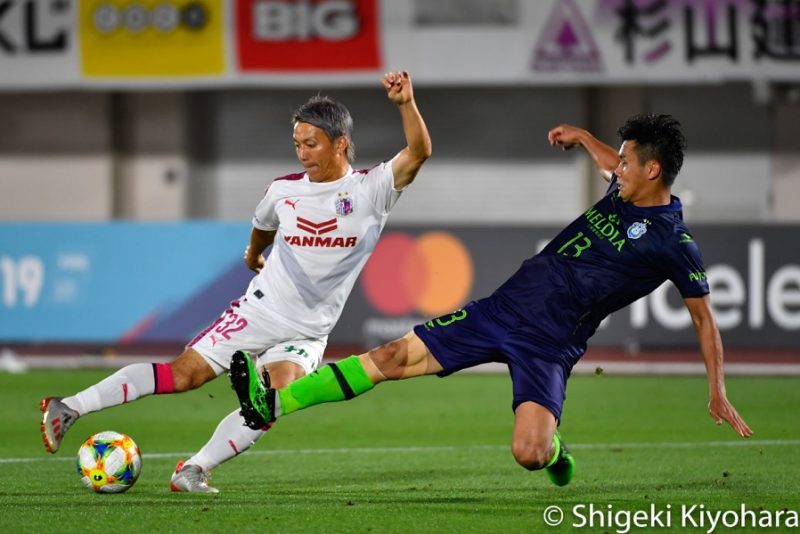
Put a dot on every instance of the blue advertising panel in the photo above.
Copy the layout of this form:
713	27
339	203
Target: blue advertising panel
121	283
117	282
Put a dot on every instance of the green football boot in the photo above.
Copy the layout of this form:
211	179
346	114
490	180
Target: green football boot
255	396
562	470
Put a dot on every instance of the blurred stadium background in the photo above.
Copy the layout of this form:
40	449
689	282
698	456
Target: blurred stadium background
137	138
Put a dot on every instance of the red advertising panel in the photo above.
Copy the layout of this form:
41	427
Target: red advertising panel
307	35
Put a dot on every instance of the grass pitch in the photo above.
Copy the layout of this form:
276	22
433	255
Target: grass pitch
426	455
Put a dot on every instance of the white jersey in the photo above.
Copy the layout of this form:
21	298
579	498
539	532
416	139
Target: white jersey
325	234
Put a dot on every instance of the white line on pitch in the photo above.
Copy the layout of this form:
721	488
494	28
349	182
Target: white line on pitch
452	448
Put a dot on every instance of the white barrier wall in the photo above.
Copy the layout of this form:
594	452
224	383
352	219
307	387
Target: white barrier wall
55	157
785	158
487	141
171	155
152	168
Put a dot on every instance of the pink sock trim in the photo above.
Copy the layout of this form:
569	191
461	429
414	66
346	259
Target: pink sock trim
233	446
163	375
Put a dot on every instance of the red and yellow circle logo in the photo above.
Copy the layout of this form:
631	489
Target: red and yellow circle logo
431	274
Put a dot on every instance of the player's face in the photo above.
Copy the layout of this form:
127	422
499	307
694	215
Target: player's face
324	160
634	178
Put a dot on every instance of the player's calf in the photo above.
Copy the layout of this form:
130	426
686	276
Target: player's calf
391	358
187	372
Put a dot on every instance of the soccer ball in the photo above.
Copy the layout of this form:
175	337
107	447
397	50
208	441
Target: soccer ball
109	462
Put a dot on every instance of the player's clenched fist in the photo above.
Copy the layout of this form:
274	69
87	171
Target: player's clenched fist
565	136
398	87
253	262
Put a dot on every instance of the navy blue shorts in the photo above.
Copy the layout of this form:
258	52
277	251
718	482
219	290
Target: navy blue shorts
470	337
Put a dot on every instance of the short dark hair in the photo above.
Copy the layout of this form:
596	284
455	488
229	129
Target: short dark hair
658	137
330	116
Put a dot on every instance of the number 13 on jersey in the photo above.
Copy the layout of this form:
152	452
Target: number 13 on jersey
578	244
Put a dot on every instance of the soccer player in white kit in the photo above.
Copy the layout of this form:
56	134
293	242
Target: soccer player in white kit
322	224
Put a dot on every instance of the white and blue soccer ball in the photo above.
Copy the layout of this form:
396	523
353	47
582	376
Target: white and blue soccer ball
109	462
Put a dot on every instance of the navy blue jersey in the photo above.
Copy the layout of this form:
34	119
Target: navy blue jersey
605	259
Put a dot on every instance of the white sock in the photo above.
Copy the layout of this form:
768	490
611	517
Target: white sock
126	385
230	438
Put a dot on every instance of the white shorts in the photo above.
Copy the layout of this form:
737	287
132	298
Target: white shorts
243	327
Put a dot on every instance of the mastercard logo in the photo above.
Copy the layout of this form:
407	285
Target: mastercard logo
430	274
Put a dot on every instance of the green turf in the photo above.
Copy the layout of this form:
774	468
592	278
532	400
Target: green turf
427	455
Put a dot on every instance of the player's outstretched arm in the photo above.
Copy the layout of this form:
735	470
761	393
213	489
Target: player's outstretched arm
711	346
408	161
567	137
259	241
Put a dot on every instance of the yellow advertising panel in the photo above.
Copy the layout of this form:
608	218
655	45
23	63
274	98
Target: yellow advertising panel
146	38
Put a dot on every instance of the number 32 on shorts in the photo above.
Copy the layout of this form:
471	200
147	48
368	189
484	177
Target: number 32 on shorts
230	323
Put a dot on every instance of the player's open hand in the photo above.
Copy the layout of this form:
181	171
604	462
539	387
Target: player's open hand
253	262
565	136
398	87
720	409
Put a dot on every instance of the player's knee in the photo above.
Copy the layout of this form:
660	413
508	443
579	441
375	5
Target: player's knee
184	379
188	371
283	374
391	358
531	455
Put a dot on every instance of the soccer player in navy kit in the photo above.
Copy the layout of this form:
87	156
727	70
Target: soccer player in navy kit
539	320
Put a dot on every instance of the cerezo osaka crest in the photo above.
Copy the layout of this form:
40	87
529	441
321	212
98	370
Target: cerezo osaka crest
637	230
344	204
